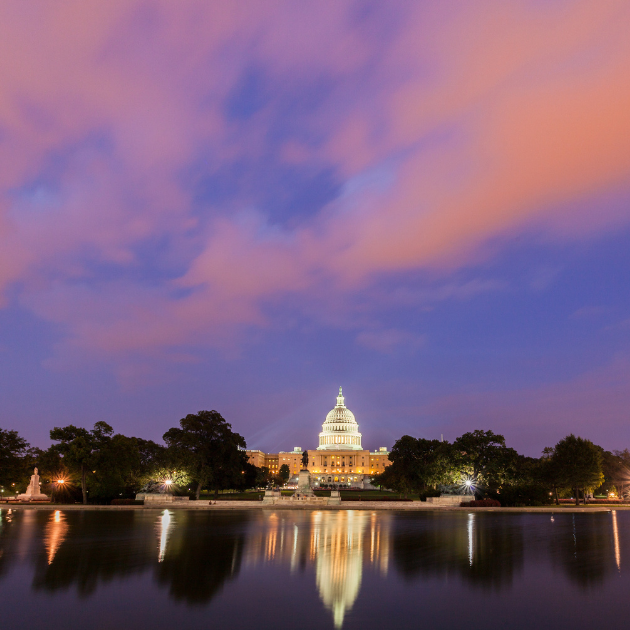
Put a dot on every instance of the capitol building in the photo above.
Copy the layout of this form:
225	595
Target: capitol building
340	458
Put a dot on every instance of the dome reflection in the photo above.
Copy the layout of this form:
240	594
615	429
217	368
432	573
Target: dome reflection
338	544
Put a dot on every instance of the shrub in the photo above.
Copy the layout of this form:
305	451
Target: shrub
481	503
525	494
126	502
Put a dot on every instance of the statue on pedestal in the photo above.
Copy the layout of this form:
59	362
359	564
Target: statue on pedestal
33	492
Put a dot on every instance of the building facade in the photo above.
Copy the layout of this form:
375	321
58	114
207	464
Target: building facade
340	458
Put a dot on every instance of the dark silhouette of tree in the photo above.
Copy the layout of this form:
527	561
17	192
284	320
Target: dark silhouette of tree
207	448
484	456
15	461
284	473
122	466
80	448
263	476
579	464
418	464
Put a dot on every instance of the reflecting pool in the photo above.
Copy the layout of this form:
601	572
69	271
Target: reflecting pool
307	569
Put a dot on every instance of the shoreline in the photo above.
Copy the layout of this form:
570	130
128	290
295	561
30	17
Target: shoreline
363	505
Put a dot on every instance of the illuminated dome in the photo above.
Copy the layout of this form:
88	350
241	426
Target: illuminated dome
340	431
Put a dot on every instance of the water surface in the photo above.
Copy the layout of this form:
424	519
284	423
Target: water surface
313	569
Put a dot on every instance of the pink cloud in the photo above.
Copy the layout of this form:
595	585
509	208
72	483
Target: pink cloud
389	340
593	405
449	125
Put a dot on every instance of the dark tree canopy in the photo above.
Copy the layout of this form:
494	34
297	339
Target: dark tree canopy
418	464
484	456
207	448
13	453
80	448
284	473
204	452
578	463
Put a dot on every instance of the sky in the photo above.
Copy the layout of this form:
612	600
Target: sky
242	206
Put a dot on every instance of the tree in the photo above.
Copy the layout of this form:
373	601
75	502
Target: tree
123	466
208	449
417	464
14	451
579	464
623	473
52	467
284	473
550	472
263	477
249	476
615	471
484	456
80	447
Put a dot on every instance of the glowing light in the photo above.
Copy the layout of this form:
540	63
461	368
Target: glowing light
168	482
467	484
61	481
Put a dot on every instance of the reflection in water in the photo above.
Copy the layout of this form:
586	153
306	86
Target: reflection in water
204	551
337	563
482	549
338	541
164	526
99	547
471	521
585	547
7	539
197	552
338	544
616	539
55	534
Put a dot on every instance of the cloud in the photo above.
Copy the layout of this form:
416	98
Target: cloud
387	341
589	312
593	404
449	127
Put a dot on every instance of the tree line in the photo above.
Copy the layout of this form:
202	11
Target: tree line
479	462
98	465
204	453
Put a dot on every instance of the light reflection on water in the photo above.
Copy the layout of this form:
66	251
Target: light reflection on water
56	530
164	527
471	523
616	539
341	568
338	544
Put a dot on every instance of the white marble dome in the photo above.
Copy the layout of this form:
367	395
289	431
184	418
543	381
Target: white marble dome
340	414
340	430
